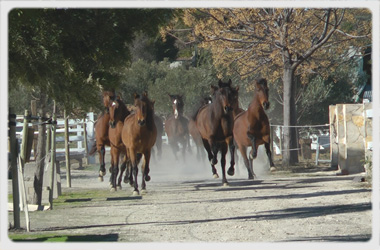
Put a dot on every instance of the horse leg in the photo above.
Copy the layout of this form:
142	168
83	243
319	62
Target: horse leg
210	158
174	146
184	150
253	153
223	164
269	154
243	151
231	146
102	169
145	171
135	170
114	167
122	169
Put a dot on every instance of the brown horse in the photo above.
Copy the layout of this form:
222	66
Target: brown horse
118	112
101	140
193	130
215	123
176	126
252	128
160	129
139	136
101	133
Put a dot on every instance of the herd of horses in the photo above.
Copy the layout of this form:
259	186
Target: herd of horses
217	125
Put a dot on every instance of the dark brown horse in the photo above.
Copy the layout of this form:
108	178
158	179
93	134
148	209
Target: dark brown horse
176	126
193	130
101	132
215	123
118	112
252	128
139	136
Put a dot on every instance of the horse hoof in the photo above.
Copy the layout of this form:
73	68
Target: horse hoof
143	191
101	173
214	162
147	178
135	193
226	184
100	178
231	172
216	176
253	156
272	169
250	177
113	189
119	187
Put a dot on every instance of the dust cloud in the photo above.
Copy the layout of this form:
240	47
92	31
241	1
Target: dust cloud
188	167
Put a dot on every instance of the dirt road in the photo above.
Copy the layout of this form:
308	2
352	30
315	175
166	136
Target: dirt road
184	204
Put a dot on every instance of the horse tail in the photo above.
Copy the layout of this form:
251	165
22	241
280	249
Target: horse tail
93	149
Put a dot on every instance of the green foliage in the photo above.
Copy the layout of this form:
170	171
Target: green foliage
159	80
66	54
321	92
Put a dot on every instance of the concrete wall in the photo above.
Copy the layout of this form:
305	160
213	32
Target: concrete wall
350	135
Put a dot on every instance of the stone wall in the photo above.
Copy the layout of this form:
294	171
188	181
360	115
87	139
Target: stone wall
350	136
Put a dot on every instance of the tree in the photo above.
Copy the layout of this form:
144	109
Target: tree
67	54
286	44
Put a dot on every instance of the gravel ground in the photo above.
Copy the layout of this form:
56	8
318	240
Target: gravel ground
185	204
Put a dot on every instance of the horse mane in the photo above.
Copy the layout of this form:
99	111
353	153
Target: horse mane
201	104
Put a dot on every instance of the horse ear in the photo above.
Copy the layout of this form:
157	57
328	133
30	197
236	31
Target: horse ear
135	95
229	82
213	89
220	83
237	88
145	93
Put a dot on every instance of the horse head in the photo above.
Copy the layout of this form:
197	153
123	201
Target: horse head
222	96
177	104
262	92
228	95
108	97
144	108
113	107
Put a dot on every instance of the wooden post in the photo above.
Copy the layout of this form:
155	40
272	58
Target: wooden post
48	139
24	143
13	148
281	140
85	140
271	141
34	142
67	150
23	194
52	161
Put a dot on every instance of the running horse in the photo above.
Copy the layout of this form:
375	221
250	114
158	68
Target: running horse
176	126
160	129
193	130
101	133
251	127
215	123
118	112
139	136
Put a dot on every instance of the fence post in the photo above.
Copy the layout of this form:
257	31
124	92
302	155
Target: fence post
48	138
85	140
13	148
52	160
24	143
67	150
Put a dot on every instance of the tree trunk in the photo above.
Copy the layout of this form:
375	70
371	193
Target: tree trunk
40	157
289	156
